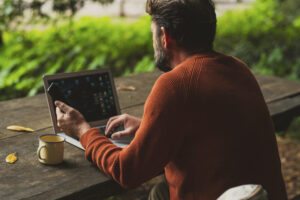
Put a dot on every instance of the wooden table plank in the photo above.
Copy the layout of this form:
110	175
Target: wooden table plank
20	111
143	83
31	112
27	178
284	111
282	97
275	88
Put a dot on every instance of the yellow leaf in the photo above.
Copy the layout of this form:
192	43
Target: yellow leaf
11	158
19	128
126	88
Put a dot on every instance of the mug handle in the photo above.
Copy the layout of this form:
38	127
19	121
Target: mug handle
39	151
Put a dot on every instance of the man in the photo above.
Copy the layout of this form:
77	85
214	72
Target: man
205	121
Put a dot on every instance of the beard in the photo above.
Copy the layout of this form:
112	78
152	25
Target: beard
162	58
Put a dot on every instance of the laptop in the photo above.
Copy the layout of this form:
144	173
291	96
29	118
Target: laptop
92	93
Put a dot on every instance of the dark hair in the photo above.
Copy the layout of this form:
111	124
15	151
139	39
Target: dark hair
191	23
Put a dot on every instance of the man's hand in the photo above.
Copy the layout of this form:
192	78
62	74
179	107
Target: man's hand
70	120
131	124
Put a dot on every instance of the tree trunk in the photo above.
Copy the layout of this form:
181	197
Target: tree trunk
1	39
122	12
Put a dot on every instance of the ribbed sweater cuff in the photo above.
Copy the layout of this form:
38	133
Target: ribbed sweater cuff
90	134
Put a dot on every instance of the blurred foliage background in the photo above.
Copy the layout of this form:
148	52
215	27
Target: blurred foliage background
88	43
265	36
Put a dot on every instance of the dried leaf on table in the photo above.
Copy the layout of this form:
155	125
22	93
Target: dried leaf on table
126	88
11	158
19	128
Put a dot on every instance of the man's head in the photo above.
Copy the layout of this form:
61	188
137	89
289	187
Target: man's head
191	25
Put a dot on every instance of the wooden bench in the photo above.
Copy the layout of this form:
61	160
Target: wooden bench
76	178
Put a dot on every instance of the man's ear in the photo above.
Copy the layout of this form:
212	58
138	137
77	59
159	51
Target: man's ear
166	39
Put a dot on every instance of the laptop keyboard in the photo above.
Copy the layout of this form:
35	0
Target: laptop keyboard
103	128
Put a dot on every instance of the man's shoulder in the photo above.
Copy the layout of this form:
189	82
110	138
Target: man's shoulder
223	60
182	73
207	58
194	66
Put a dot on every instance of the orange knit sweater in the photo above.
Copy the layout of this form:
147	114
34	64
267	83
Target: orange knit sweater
207	124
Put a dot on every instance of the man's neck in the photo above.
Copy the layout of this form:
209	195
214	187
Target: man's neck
178	57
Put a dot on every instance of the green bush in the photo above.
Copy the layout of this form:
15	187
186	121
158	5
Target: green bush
266	37
88	43
294	129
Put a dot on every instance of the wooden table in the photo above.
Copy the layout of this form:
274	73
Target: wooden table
76	178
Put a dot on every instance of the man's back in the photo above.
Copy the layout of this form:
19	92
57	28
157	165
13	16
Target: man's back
207	124
228	133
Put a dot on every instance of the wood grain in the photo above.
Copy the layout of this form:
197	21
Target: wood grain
28	178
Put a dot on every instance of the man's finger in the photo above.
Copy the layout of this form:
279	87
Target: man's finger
120	134
110	120
113	124
62	106
59	114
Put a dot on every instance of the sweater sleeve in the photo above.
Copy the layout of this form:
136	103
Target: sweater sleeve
155	143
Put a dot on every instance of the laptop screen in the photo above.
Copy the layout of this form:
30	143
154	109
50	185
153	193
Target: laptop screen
92	95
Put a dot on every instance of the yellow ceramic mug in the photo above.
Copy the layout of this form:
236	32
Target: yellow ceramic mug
51	149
